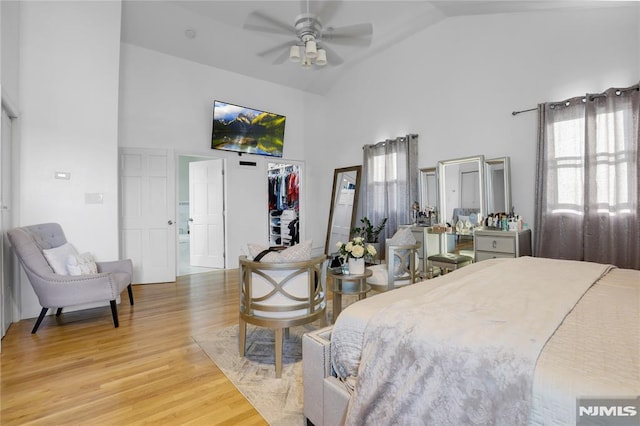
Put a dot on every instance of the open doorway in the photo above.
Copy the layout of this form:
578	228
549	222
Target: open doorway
201	228
284	204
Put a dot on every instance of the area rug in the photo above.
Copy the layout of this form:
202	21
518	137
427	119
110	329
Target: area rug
279	401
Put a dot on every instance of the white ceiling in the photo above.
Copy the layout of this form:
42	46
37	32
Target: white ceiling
221	41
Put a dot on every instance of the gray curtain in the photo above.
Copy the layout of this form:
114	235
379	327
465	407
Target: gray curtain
588	179
390	171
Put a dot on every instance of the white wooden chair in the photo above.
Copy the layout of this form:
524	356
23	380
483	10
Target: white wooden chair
404	269
279	296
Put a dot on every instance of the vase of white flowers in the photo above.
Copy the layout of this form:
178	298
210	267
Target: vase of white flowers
356	266
354	253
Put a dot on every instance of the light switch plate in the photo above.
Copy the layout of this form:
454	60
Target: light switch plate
62	175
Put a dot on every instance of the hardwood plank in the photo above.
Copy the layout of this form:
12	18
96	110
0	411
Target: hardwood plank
79	369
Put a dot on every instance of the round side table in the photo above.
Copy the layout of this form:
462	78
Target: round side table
350	284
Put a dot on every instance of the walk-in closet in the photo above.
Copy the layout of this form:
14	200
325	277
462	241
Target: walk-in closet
284	204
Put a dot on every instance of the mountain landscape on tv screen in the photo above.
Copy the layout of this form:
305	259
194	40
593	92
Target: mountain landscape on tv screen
250	131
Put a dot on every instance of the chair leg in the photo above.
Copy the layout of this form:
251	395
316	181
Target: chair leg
43	312
130	289
242	337
58	312
323	319
278	353
114	313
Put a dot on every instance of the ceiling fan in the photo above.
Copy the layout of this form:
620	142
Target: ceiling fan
313	37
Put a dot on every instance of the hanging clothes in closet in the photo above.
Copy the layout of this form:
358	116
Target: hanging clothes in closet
284	191
284	194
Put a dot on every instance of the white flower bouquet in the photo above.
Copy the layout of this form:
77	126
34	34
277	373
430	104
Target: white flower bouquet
355	249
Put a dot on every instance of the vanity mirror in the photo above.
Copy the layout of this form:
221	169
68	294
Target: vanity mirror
461	186
498	174
344	205
461	201
428	187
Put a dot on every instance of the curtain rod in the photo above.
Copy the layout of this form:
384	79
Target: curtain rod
584	98
524	110
383	143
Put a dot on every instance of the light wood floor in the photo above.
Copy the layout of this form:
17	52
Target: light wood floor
84	371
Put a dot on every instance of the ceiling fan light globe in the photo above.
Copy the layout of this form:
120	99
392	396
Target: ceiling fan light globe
294	54
310	49
321	60
306	63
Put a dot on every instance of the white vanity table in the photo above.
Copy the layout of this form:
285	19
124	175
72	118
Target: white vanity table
469	188
487	243
491	244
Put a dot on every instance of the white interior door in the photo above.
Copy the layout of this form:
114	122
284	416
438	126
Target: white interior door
206	213
147	209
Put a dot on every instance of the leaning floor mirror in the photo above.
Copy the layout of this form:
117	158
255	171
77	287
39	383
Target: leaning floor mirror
343	207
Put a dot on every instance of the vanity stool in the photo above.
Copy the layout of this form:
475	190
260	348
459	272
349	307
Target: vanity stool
449	261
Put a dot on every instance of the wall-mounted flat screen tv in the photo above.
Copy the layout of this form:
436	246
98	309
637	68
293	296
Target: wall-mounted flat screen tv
247	130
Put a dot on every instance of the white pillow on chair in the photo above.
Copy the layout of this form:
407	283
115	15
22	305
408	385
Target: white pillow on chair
81	264
464	219
403	237
298	253
57	257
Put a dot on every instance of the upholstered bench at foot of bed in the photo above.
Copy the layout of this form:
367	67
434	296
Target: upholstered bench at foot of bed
325	397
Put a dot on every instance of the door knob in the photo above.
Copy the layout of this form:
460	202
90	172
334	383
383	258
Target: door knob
170	222
190	219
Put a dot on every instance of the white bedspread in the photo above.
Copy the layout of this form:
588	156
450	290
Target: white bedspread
465	352
348	331
594	353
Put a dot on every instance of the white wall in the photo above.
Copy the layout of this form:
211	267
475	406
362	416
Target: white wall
166	102
323	156
68	96
456	84
10	13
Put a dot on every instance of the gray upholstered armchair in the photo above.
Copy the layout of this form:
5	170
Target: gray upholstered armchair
58	291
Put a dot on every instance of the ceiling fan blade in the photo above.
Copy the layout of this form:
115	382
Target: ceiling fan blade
326	10
256	21
284	46
352	35
332	57
281	58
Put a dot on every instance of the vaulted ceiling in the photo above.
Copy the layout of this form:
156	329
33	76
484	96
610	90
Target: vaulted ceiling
212	32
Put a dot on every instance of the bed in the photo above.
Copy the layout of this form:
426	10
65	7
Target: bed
504	341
